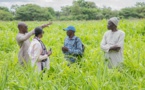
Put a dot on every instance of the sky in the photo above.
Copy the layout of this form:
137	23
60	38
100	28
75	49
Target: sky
57	4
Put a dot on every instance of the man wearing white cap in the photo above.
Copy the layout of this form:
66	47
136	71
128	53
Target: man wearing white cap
112	43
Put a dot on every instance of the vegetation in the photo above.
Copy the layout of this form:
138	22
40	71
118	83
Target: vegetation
93	74
80	10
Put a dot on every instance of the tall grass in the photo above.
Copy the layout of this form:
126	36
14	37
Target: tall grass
93	74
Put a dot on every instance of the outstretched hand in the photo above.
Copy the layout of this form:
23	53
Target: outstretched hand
46	25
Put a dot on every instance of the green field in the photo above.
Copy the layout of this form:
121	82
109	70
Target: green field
93	74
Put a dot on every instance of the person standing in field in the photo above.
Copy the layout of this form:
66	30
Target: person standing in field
112	43
73	47
38	53
23	41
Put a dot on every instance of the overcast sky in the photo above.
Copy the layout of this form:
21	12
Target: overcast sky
57	4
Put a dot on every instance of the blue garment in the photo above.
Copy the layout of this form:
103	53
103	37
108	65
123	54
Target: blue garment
74	48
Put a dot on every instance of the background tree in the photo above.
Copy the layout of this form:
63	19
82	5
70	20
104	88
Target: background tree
4	9
79	10
32	12
5	14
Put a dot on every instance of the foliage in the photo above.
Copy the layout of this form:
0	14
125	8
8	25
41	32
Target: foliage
5	15
90	74
79	10
31	12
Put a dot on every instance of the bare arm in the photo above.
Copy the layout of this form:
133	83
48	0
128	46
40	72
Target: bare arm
46	25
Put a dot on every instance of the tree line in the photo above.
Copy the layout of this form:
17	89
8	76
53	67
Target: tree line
79	10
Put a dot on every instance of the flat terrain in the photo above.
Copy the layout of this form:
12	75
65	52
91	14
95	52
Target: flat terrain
91	74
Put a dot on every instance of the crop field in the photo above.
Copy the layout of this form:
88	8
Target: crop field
90	74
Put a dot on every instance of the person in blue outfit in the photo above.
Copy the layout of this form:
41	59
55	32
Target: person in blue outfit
72	48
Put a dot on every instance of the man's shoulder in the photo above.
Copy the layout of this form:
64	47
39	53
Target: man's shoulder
35	42
122	32
107	32
66	38
18	36
77	38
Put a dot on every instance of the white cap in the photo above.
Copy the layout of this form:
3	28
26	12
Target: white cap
115	20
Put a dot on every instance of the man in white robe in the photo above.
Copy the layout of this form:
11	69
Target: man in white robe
112	43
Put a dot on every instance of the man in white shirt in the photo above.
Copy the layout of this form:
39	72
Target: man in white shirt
38	53
112	43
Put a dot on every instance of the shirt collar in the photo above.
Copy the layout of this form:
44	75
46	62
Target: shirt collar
37	38
71	38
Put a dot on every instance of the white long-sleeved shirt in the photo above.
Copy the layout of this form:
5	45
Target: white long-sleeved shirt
34	52
111	39
24	42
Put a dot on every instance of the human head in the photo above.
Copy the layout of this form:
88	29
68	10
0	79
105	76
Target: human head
112	23
70	30
39	32
22	27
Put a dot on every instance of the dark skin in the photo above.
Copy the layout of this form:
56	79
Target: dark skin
113	27
23	28
40	36
70	34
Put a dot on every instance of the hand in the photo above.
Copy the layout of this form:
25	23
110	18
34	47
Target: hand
65	49
115	48
46	25
49	53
